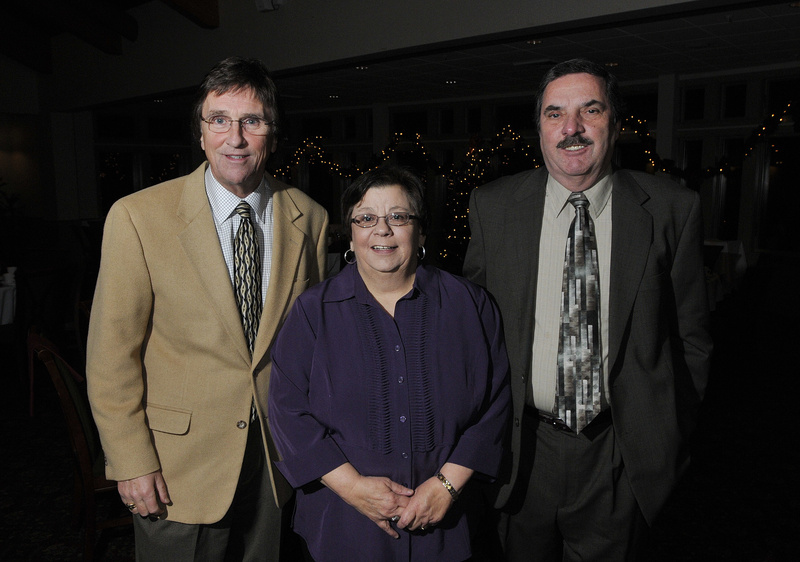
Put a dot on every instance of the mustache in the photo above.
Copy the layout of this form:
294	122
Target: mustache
572	141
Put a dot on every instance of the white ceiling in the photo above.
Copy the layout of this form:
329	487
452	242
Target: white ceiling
767	35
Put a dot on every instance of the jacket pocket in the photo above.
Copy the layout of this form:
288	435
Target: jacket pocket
168	420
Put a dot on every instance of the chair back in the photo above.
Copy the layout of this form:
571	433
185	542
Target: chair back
71	390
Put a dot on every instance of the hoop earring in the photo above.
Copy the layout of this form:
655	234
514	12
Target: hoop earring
421	253
353	256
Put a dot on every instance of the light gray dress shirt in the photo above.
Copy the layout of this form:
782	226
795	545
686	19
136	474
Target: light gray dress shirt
558	215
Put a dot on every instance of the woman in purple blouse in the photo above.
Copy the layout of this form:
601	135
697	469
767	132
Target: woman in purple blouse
389	390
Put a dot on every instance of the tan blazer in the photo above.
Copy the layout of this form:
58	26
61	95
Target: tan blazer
169	373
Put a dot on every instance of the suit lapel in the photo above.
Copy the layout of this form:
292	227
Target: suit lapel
631	239
200	243
530	200
517	257
287	247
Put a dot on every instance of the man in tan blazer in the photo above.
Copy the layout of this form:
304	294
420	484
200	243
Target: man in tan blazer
180	401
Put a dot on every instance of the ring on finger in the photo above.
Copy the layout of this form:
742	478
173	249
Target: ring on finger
395	519
130	506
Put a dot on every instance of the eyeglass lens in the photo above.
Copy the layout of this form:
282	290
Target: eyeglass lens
393	219
252	125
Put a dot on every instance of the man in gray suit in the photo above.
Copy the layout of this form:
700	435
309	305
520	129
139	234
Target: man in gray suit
590	491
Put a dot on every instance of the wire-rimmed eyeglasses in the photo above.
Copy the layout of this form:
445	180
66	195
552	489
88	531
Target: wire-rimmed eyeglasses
369	220
251	125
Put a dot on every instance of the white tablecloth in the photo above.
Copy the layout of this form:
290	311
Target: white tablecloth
8	301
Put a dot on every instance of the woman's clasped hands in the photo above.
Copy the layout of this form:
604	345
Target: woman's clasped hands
385	502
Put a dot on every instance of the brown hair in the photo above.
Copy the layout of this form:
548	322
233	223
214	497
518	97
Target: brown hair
235	74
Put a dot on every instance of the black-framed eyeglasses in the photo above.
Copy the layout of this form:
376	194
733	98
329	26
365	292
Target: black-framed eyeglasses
251	125
369	220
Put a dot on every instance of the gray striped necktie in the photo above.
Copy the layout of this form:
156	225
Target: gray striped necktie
579	391
247	275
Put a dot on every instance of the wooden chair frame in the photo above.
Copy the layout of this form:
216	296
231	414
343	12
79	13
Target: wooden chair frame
87	454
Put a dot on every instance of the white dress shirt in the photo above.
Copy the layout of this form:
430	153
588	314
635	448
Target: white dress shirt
223	204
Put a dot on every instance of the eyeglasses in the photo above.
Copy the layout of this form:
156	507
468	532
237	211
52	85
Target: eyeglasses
251	125
392	219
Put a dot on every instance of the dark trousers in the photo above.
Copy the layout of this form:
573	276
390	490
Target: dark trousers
250	531
574	500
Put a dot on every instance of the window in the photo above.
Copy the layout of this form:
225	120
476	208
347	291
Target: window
642	106
694	104
520	117
410	122
317	127
474	120
446	121
735	101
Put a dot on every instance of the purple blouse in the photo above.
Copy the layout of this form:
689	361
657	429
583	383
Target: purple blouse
396	397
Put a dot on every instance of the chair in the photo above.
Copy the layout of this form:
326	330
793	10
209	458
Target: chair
84	439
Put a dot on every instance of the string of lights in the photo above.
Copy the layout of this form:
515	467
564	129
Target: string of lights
507	153
723	166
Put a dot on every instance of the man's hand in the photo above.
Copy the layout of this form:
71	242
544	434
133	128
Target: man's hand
146	495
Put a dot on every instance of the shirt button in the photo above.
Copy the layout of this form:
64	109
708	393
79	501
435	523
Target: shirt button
401	379
241	424
405	456
397	348
402	419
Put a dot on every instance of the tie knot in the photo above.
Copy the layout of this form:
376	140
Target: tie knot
243	210
579	200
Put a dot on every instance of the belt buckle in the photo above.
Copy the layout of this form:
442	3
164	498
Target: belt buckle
557	423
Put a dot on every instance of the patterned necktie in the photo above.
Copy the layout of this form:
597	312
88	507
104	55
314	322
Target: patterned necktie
247	275
578	396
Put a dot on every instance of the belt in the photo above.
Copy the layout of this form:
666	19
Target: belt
600	422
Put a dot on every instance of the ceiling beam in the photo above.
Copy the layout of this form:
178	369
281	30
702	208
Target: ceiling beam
26	45
204	13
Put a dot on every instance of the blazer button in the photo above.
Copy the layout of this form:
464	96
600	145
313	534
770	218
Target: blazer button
241	424
516	422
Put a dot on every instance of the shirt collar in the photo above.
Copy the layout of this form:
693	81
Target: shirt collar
348	284
223	202
598	195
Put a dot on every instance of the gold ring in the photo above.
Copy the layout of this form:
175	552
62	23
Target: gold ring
130	506
422	527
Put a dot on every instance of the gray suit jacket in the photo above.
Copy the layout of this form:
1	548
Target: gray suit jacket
659	344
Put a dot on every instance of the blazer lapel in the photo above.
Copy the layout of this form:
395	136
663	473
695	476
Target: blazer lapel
287	247
200	243
530	199
631	239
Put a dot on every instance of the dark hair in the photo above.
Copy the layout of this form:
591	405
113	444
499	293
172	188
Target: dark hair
583	66
233	75
385	176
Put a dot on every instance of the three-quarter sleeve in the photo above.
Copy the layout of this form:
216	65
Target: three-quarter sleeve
480	446
306	449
